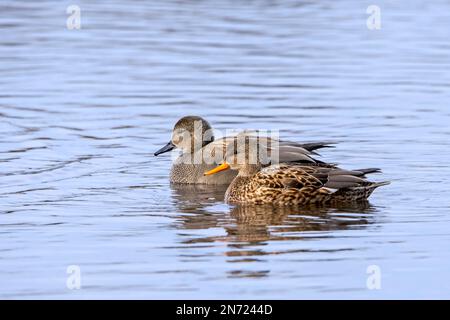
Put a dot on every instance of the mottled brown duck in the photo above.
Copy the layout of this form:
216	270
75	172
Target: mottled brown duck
293	184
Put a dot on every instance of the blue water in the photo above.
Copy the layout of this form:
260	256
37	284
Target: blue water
82	111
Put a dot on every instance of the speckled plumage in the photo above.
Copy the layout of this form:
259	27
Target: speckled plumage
290	184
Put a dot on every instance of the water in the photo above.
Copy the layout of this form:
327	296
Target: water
82	111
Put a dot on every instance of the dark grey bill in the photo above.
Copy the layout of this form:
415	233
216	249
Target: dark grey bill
168	147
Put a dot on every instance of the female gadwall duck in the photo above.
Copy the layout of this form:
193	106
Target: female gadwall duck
293	184
193	135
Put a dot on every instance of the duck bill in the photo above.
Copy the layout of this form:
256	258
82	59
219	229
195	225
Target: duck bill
222	167
168	147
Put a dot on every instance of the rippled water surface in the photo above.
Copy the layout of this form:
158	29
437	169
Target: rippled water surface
82	111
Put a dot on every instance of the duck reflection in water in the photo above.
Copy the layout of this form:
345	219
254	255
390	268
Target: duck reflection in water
249	227
250	224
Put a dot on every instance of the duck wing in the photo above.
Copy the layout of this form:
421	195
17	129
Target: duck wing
279	150
289	176
300	176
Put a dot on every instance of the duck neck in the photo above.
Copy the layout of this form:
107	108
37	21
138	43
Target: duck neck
240	182
208	141
248	170
235	187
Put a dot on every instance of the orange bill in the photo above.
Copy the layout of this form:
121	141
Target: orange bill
222	167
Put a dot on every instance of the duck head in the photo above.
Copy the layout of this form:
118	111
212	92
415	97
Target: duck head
246	155
189	134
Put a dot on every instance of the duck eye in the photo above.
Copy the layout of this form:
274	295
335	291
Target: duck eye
177	139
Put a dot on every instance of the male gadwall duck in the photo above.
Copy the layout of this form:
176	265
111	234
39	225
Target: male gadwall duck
193	135
293	184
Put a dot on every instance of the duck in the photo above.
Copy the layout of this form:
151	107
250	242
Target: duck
194	137
292	183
